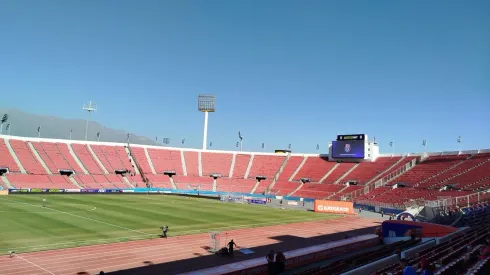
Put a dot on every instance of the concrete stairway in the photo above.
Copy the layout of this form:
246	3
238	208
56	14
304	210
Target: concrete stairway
297	169
39	159
152	168
94	156
6	182
296	190
127	182
16	159
255	187
131	159
346	173
329	172
199	162
232	167
72	180
79	162
249	167
184	166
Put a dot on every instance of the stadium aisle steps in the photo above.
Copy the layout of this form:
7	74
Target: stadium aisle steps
65	153
266	165
314	168
8	158
144	162
241	164
166	160
26	157
347	173
83	154
77	160
290	167
97	160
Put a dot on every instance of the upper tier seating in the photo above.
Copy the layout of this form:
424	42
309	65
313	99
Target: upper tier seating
140	157
166	160
290	167
6	159
369	170
27	158
470	163
338	172
216	163
241	165
88	161
429	167
314	168
192	163
112	157
265	165
52	156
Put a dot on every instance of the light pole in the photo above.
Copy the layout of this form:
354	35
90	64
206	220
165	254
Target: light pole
89	107
206	104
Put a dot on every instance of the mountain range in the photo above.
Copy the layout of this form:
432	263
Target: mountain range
26	125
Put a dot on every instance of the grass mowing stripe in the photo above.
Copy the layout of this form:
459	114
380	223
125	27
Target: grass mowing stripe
82	217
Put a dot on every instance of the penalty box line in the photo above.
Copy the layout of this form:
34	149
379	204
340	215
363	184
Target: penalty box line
82	217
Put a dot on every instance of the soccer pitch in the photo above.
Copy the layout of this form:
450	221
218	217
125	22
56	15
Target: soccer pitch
79	220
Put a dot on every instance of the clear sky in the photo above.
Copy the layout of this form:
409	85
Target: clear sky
283	72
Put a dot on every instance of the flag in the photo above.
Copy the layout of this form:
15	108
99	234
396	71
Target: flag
289	146
5	118
183	140
156	139
424	142
128	137
318	146
39	129
391	143
459	139
240	135
210	144
98	134
374	139
7	128
263	145
237	144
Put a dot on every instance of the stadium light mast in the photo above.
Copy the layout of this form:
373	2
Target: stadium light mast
89	107
206	104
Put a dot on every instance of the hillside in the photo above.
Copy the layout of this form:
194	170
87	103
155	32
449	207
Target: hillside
25	125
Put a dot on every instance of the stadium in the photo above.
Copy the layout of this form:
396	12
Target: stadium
106	202
244	137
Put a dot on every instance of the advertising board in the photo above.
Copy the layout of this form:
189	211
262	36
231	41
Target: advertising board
336	207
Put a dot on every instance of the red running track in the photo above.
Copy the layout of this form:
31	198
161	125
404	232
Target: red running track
181	254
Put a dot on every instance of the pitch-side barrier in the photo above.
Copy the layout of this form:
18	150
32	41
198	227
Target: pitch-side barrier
295	258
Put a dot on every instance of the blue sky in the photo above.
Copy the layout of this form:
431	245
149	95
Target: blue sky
283	72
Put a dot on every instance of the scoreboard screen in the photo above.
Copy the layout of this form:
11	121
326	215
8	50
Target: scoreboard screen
348	149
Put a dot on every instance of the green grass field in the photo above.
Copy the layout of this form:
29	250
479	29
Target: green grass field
77	220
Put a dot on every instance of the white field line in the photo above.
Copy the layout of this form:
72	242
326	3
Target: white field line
82	217
38	266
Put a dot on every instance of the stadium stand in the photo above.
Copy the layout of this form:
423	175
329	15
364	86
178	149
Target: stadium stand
7	160
376	183
216	163
314	168
27	158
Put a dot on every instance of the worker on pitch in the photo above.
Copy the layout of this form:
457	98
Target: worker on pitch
164	231
44	202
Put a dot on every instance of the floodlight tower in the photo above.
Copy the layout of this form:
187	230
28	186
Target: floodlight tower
89	107
206	104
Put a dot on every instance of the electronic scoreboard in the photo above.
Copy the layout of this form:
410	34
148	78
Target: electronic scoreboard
349	146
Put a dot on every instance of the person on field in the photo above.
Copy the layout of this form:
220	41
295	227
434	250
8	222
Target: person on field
11	253
164	231
44	202
231	245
